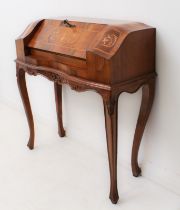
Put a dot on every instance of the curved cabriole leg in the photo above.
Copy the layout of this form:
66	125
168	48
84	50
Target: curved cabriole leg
58	99
110	112
24	95
146	105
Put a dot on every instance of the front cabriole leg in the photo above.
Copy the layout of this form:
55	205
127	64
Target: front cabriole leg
146	105
110	112
20	73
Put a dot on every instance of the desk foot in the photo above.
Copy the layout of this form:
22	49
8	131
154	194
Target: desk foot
114	197
62	133
136	171
30	145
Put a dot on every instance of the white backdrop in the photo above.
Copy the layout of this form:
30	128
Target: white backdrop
83	113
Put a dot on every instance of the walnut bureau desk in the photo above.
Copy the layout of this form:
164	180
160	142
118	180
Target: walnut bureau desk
107	58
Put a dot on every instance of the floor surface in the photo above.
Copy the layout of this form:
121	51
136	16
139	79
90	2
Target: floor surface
63	174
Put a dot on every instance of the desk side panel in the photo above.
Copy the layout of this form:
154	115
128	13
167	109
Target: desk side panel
24	38
135	57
